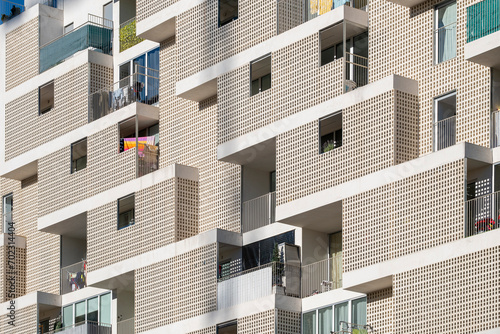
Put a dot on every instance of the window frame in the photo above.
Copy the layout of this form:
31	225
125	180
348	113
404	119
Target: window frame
234	18
4	222
118	212
85	301
334	114
435	117
71	156
46	110
226	324
435	31
269	55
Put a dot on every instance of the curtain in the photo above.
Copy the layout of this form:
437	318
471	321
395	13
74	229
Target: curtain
153	73
447	32
325	320
341	314
309	323
359	311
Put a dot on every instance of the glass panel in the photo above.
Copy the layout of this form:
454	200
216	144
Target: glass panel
328	55
79	312
309	323
153	73
273	182
341	314
228	11
107	13
325	320
68	315
495	89
255	86
139	66
154	130
126	211
105	309
359	311
497	180
446	32
92	309
7	211
79	155
124	74
266	82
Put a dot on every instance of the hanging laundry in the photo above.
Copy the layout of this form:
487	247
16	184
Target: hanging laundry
313	6
325	6
129	143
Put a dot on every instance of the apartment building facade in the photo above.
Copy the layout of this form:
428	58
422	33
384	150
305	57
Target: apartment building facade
250	166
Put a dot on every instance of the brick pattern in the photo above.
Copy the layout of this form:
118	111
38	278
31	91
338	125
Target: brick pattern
294	69
287	322
106	168
21	54
12	264
458	295
369	143
175	289
147	8
403	217
208	330
188	132
25	129
164	213
202	43
26	322
409	52
380	311
262	323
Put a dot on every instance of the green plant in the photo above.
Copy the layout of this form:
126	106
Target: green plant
128	37
328	145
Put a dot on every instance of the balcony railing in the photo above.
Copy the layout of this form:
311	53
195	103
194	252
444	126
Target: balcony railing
74	277
322	276
142	87
356	74
349	328
483	18
9	10
126	326
86	327
148	160
292	13
495	129
96	33
128	36
444	133
482	214
274	277
258	212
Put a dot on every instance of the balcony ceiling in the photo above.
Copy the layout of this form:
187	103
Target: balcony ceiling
485	50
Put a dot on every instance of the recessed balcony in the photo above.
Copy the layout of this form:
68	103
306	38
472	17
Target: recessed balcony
483	33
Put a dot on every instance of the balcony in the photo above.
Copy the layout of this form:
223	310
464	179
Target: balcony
142	87
321	276
292	13
74	277
9	10
349	328
258	212
96	33
444	133
483	33
86	327
128	36
482	214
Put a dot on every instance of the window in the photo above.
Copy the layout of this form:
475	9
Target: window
107	14
67	315
92	309
69	27
261	252
79	155
228	11
228	328
126	211
260	72
471	190
309	326
127	135
8	205
45	98
330	132
358	311
341	314
445	108
272	187
445	36
95	309
149	65
79	312
325	320
331	44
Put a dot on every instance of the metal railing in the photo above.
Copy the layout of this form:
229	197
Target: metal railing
444	133
258	212
356	74
495	129
85	327
292	13
142	87
148	160
59	4
96	33
126	326
321	276
483	18
9	10
128	35
349	328
482	214
74	277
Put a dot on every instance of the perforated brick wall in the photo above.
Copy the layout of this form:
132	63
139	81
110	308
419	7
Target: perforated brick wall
403	217
25	129
459	295
25	323
287	322
147	8
175	289
401	42
370	143
380	311
13	270
297	83
21	54
208	330
188	136
164	213
257	323
202	43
